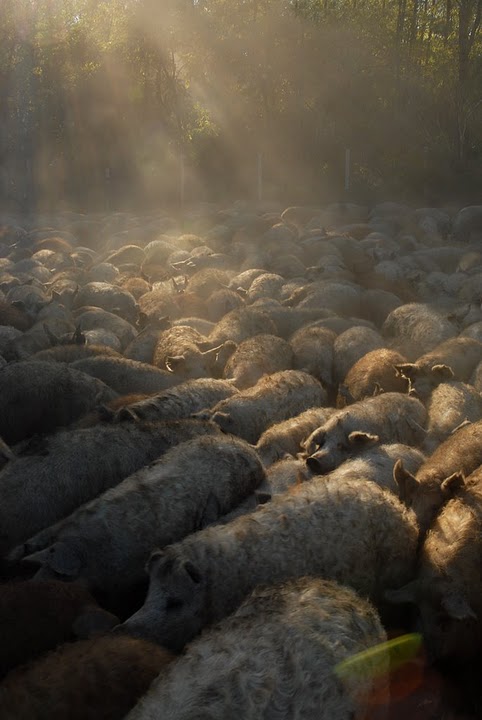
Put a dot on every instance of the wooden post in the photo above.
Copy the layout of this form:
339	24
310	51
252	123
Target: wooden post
260	177
107	178
182	182
347	170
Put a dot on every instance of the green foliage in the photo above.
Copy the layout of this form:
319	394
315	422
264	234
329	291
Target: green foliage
131	85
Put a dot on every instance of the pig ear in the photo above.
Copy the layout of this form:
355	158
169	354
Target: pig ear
408	485
377	390
457	607
362	438
407	370
201	414
318	438
93	620
463	424
223	419
6	453
159	561
59	557
78	338
128	414
451	484
224	352
155	558
174	361
210	512
442	372
229	346
212	351
204	346
405	594
177	286
163	322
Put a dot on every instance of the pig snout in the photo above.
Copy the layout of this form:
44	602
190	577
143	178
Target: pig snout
320	463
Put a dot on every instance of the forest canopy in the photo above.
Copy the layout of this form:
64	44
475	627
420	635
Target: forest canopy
115	103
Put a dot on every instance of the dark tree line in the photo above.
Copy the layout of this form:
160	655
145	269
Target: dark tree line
101	101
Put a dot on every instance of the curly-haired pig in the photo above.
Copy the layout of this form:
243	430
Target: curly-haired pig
447	589
56	474
373	373
255	357
36	616
454	359
442	474
99	678
285	438
353	532
107	541
37	397
186	398
274	398
277	656
386	418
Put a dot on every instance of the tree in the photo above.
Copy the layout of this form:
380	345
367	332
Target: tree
100	98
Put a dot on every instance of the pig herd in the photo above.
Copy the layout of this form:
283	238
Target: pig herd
241	464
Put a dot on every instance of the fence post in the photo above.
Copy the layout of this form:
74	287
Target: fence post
182	181
260	177
107	189
347	170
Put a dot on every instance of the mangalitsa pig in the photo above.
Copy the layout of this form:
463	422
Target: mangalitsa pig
277	656
447	589
353	532
107	541
387	418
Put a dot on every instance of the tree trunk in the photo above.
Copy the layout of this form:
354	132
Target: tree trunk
469	15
